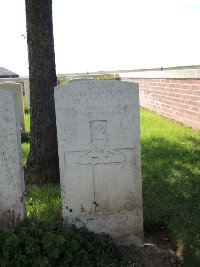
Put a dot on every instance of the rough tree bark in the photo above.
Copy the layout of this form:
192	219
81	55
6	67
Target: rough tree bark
42	165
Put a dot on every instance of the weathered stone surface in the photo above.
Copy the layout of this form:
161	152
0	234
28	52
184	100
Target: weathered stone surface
16	87
12	206
99	154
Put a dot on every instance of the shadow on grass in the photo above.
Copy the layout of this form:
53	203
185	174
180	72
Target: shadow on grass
171	191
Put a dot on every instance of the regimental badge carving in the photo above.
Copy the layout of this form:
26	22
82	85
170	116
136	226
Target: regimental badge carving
100	153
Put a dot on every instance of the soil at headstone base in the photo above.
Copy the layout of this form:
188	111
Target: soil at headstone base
158	251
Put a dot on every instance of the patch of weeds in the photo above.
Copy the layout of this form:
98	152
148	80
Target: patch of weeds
38	243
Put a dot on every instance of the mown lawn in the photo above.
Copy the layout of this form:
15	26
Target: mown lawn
171	184
171	181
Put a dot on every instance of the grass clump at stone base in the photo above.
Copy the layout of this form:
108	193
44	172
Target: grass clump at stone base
44	243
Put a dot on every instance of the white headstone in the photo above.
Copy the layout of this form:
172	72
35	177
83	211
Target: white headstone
11	172
98	131
17	87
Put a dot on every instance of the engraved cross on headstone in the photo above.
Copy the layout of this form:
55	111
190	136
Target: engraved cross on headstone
99	153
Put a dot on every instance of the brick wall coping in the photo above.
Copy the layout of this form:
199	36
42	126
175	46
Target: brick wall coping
163	74
181	72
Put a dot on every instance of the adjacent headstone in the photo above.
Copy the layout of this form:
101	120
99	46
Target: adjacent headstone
99	156
17	87
12	206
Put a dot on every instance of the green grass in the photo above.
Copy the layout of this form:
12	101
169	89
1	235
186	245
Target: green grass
27	123
171	183
44	203
25	152
25	145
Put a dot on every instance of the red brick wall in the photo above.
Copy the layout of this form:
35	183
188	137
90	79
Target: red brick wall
178	99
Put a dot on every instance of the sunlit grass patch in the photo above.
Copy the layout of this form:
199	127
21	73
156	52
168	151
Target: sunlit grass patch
27	123
25	152
25	140
171	181
44	202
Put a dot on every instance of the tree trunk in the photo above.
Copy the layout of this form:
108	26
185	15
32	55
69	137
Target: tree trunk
42	165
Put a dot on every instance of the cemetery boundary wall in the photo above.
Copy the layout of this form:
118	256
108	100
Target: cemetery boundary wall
174	93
